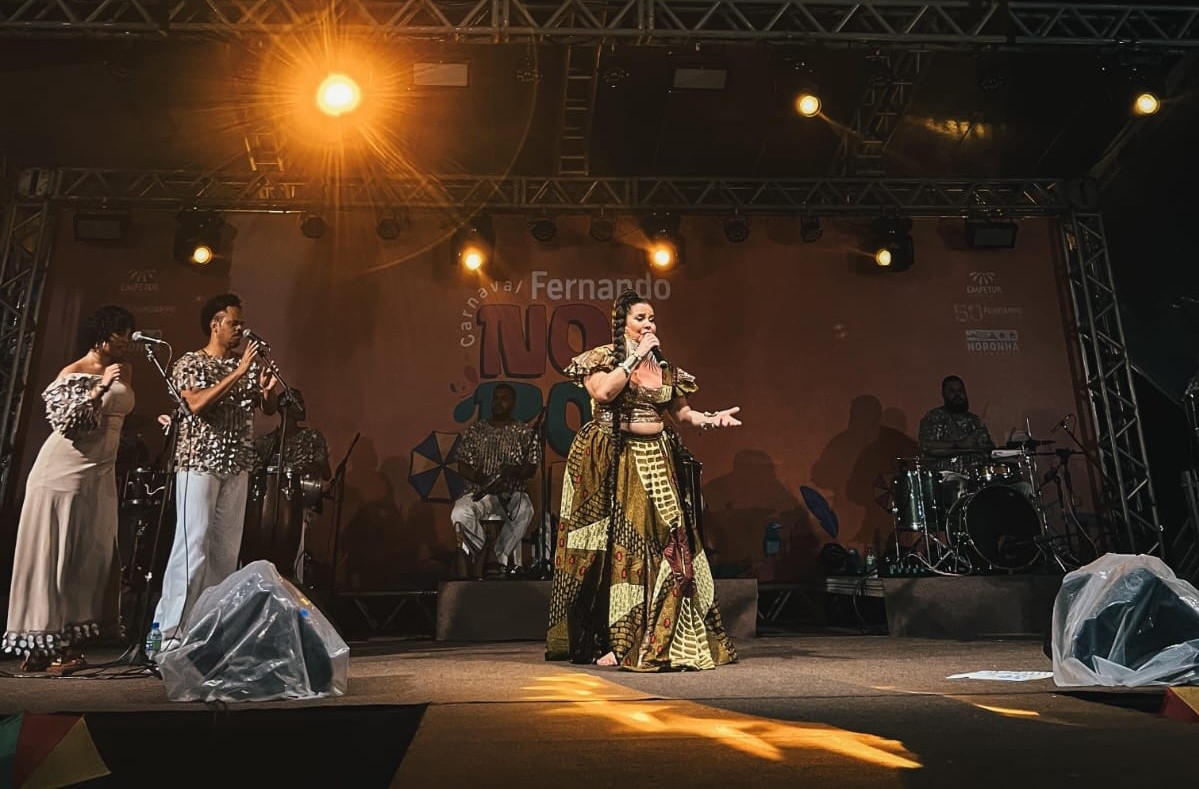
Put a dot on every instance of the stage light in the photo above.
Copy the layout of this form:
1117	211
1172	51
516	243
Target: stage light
474	243
663	253
197	237
736	229
990	234
893	246
202	255
810	230
338	95
1146	103
807	104
602	229
544	230
313	226
665	248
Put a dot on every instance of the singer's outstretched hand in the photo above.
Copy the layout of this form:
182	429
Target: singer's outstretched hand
725	418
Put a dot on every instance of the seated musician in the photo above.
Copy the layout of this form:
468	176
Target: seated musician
952	438
496	457
306	454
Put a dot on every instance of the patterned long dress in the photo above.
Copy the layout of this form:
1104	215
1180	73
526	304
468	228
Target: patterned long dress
66	571
630	573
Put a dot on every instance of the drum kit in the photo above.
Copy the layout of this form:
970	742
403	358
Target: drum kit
968	513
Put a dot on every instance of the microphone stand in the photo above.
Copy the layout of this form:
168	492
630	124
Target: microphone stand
286	398
337	489
543	564
135	654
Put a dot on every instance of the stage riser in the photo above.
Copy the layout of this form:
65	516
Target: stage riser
517	610
970	607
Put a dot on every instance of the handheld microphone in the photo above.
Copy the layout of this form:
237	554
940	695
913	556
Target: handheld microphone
657	354
145	338
249	335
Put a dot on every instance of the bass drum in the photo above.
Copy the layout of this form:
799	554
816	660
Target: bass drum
999	524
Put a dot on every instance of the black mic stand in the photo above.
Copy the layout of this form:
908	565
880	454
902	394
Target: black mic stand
135	655
337	489
286	398
543	563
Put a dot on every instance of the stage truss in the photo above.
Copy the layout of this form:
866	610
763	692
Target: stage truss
895	22
1096	322
1115	416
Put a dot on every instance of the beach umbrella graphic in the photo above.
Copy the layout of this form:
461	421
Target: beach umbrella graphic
431	468
47	750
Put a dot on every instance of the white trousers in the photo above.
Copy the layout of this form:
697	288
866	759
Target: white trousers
210	514
468	516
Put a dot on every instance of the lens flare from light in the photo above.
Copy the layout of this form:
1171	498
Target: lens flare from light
202	255
662	255
883	257
472	258
338	95
807	105
1146	103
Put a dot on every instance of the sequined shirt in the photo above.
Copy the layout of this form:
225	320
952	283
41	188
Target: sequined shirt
487	449
964	429
70	408
220	440
306	447
637	403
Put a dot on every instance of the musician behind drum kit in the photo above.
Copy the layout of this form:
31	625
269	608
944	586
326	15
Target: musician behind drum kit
496	457
952	437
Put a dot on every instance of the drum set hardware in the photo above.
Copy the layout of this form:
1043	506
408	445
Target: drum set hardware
968	514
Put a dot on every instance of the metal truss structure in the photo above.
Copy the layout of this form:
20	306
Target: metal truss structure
934	22
272	191
1107	371
25	243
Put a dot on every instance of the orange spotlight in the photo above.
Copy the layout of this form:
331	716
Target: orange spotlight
807	104
338	95
473	258
883	257
202	255
1146	103
663	254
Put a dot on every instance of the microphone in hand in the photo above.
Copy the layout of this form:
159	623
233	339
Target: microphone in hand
656	353
141	337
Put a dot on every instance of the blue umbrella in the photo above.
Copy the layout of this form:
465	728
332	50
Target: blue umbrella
431	471
821	510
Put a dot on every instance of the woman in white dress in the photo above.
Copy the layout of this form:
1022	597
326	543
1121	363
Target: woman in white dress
66	570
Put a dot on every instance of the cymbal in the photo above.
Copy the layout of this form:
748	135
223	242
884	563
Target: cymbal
1032	442
952	453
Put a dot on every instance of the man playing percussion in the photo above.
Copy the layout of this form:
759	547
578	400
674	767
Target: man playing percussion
496	457
306	456
952	430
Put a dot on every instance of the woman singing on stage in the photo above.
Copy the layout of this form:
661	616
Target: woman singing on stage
631	584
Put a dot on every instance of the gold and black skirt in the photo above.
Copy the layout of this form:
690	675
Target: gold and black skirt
630	572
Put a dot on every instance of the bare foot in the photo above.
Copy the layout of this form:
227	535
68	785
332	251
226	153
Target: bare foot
607	660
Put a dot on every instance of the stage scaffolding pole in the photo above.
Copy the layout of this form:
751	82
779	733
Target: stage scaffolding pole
1115	415
25	245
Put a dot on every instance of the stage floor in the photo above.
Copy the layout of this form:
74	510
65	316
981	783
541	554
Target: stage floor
825	708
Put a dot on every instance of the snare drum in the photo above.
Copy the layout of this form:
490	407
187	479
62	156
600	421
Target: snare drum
993	471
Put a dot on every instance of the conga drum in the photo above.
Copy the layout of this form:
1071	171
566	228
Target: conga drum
274	520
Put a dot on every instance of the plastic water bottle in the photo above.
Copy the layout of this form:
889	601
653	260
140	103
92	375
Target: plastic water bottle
871	559
154	640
